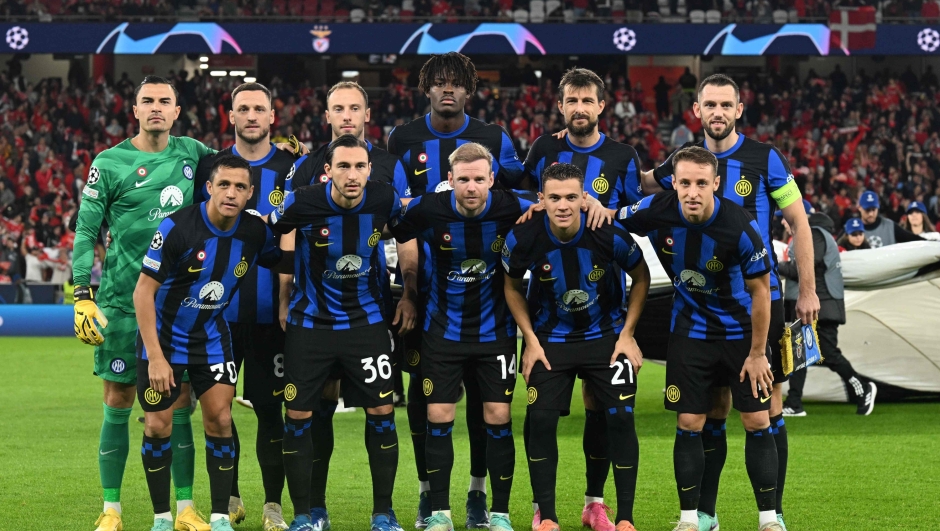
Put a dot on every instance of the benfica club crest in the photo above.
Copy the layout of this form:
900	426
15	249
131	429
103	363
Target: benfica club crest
321	43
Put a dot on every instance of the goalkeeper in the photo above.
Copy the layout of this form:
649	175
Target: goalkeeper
133	186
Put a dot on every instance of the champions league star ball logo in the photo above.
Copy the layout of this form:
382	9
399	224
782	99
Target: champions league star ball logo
624	39
17	38
928	40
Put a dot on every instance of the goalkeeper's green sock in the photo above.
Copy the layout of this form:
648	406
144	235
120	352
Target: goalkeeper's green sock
112	454
184	458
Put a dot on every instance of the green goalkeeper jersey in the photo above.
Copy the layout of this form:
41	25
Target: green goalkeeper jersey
132	190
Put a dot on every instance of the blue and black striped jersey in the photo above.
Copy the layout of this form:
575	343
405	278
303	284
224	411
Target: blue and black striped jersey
611	169
337	265
424	152
386	168
581	290
755	176
708	262
257	300
465	293
200	270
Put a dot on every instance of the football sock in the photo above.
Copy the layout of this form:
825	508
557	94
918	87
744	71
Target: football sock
297	453
382	445
418	424
715	444
624	452
163	516
440	462
157	456
779	430
268	442
543	459
594	443
323	442
220	463
688	458
238	447
476	430
113	447
501	460
525	446
760	458
184	455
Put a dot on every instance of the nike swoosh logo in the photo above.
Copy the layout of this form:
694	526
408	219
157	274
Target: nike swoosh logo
180	446
539	459
318	244
383	395
108	452
504	478
710	450
286	453
448	248
626	397
510	391
688	489
277	393
597	458
276	440
618	467
141	183
768	490
665	251
191	270
226	469
433	471
414	433
417	172
382	446
543	279
156	469
765	399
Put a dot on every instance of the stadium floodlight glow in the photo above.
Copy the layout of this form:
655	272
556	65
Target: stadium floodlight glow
203	66
218	73
237	73
538	74
250	79
203	59
350	74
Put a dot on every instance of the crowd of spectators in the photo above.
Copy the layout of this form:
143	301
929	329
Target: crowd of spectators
876	133
757	11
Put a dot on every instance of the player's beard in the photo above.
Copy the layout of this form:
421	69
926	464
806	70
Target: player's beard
262	135
586	130
723	134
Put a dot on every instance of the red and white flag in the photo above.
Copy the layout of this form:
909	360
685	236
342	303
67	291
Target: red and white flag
852	28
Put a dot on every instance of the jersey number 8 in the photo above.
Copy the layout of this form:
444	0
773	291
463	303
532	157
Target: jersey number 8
384	370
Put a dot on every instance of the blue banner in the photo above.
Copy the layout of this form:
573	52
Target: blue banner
487	38
36	320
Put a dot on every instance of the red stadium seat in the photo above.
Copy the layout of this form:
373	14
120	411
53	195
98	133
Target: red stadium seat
328	9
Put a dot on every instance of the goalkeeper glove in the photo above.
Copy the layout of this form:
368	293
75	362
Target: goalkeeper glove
86	312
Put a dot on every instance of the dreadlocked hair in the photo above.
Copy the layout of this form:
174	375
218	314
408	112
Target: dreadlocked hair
453	65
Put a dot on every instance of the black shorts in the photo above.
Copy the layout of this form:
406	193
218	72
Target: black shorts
201	376
360	357
446	363
261	348
694	365
613	385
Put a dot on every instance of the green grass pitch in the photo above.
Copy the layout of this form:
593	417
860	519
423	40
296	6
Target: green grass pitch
846	472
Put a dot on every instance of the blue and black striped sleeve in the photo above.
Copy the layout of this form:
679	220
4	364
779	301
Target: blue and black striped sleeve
400	179
627	253
410	220
509	162
287	217
515	256
639	217
752	254
164	252
535	162
270	253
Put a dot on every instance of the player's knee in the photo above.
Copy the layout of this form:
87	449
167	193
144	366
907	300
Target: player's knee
776	401
158	424
543	422
757	420
119	395
587	395
690	421
294	414
217	421
721	403
496	413
440	413
381	410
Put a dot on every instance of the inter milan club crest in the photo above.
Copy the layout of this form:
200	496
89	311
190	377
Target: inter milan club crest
188	172
321	43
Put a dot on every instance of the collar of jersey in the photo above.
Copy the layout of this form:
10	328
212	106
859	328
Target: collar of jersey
461	129
577	237
341	210
215	230
368	145
587	149
453	205
728	152
258	162
700	225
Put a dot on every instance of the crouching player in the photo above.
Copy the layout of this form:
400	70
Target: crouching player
579	327
195	263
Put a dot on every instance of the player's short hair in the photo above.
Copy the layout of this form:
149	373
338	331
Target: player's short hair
229	161
718	80
347	141
251	87
453	65
470	152
348	85
695	155
562	172
157	80
579	78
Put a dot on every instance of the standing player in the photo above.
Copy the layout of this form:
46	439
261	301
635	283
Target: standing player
133	186
257	337
197	260
720	316
580	328
467	329
347	111
336	319
756	176
611	174
425	146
